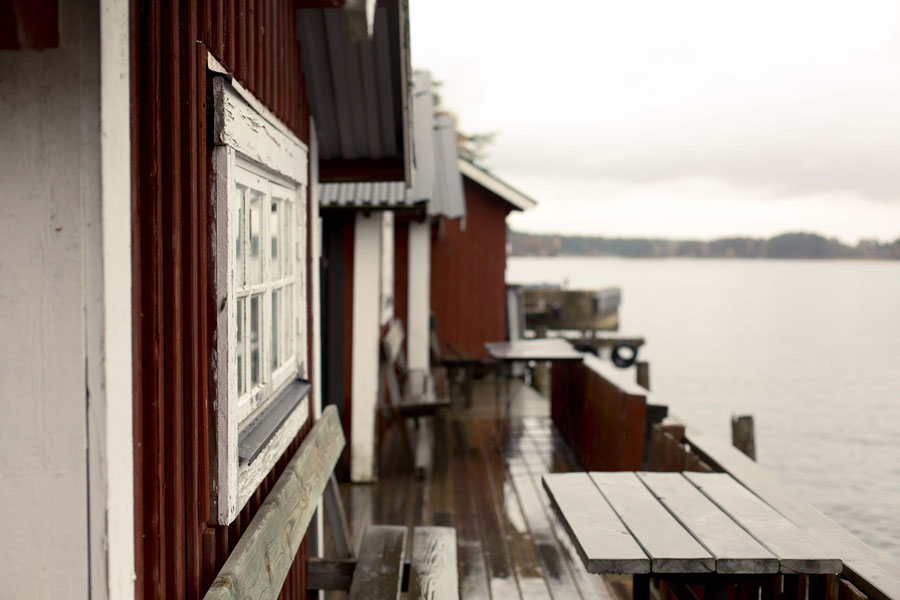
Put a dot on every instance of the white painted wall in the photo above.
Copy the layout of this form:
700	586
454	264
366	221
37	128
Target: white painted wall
366	309
65	364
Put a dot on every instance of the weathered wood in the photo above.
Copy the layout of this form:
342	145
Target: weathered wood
337	519
868	569
848	591
379	569
670	547
742	435
642	374
392	343
602	540
329	573
735	550
433	572
796	551
263	556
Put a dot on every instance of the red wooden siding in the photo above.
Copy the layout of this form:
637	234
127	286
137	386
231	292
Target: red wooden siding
178	550
468	270
401	269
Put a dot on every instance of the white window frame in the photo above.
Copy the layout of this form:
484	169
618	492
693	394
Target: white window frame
253	147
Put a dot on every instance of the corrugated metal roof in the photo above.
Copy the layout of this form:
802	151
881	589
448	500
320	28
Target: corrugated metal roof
423	136
366	194
437	181
496	185
357	89
449	200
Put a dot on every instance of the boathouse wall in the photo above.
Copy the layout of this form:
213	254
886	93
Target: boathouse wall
178	546
468	274
65	372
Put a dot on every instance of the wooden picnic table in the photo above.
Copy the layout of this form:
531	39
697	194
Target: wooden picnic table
700	527
517	351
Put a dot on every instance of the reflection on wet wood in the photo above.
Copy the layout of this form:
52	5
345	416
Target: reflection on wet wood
486	483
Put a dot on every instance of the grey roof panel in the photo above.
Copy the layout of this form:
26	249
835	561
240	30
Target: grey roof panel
354	87
449	200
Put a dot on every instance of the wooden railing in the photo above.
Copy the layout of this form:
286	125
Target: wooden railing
604	422
603	419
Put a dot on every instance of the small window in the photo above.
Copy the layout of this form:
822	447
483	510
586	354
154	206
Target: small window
259	198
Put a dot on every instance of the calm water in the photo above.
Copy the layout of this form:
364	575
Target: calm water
811	349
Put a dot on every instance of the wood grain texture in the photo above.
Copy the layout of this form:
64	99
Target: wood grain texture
602	540
379	569
260	561
867	568
433	575
796	551
735	550
670	547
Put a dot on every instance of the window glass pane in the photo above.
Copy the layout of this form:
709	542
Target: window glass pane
275	235
255	216
241	380
276	329
288	321
240	276
288	238
255	339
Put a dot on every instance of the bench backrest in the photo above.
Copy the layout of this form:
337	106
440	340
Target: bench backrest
392	345
259	564
393	359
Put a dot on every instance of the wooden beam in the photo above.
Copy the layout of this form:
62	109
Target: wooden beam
263	556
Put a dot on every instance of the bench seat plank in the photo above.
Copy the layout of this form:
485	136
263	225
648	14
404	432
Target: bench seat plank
259	563
379	567
671	548
434	573
600	537
735	550
796	551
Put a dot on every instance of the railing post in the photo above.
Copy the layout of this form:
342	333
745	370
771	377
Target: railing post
742	435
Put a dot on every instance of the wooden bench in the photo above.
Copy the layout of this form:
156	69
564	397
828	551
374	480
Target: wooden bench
412	393
259	563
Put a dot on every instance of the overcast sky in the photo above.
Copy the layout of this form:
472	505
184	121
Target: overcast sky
695	118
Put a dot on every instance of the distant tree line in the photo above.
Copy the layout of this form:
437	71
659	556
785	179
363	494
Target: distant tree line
786	245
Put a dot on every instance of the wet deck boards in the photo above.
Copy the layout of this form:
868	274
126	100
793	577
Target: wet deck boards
485	482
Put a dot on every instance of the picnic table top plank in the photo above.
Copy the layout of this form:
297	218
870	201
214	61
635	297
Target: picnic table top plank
736	551
534	349
671	548
796	550
600	537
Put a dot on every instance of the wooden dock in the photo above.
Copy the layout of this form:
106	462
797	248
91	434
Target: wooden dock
486	482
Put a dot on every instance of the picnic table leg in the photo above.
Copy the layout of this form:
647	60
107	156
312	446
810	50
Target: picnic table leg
716	590
640	586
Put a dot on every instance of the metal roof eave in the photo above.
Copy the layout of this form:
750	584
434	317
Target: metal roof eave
358	89
496	185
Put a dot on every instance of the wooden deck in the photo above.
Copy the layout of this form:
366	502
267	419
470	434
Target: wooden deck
486	482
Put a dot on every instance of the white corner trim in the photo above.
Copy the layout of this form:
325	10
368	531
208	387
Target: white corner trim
496	185
418	306
109	347
364	346
240	125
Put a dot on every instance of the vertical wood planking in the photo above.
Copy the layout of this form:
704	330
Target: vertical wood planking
173	301
177	551
191	300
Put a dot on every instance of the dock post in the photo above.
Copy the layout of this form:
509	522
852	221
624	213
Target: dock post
742	435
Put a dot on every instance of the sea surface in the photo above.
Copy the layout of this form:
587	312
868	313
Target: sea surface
810	348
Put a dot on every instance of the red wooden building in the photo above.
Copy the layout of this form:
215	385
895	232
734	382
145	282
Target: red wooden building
468	265
162	159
